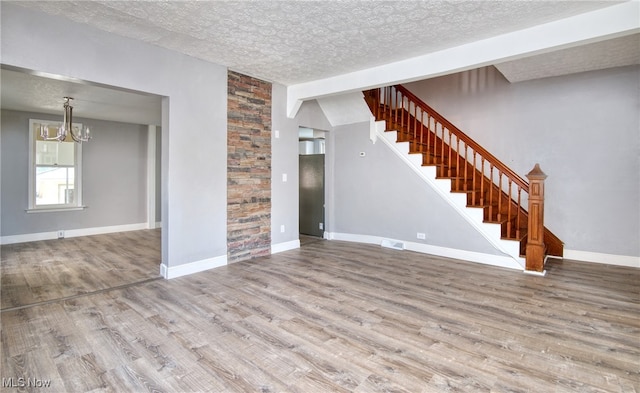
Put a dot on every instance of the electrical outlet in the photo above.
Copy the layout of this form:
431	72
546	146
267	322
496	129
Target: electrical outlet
60	234
282	228
321	226
421	236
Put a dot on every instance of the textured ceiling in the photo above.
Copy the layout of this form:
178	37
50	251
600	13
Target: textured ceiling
617	52
42	94
292	42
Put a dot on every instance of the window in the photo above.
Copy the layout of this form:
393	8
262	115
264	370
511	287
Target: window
54	173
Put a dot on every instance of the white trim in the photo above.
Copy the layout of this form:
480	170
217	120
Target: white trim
286	246
596	257
613	21
348	237
535	273
55	209
32	237
373	135
151	176
77	184
469	256
170	272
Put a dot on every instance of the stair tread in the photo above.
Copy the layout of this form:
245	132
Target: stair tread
465	191
453	166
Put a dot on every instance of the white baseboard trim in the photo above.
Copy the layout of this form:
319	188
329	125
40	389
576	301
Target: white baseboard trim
170	272
464	255
286	246
349	237
157	224
596	257
470	256
32	237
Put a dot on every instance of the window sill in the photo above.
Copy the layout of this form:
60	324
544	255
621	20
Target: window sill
55	209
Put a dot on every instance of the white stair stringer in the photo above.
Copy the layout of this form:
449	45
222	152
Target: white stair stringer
474	215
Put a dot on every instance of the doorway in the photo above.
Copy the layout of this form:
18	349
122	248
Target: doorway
311	181
47	257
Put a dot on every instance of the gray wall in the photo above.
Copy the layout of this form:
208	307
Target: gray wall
584	131
114	177
195	104
379	195
284	159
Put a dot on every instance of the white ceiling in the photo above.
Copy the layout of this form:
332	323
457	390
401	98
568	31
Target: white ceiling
616	52
292	42
44	94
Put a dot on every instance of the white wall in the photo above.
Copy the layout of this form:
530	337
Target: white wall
584	131
194	118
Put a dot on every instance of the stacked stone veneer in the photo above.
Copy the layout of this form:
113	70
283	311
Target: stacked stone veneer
248	167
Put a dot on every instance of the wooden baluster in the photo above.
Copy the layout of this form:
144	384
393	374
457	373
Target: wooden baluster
402	114
407	123
518	231
422	132
490	191
415	124
385	102
483	200
389	103
396	107
464	162
371	101
428	138
442	150
509	212
499	195
449	160
535	233
457	163
473	182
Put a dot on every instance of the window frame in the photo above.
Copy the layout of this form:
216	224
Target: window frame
77	185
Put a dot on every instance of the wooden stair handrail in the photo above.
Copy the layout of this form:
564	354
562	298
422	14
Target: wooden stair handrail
464	137
501	202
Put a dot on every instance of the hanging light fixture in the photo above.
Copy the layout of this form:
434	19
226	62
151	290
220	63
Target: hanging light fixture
78	134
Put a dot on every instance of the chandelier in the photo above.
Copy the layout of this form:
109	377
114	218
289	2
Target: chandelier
79	134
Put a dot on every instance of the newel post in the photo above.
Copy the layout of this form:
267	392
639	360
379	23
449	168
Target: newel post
535	233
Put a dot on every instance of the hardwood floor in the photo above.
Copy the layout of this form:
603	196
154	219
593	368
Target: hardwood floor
43	271
339	317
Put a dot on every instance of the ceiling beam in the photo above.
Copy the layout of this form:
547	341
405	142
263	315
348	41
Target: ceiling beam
606	23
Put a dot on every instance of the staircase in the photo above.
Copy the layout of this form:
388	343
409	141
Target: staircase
460	164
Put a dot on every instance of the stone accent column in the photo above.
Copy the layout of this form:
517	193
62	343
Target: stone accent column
248	167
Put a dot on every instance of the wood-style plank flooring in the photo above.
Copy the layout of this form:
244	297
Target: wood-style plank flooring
339	317
39	272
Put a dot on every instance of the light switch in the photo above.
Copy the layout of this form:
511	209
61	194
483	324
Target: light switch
284	177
